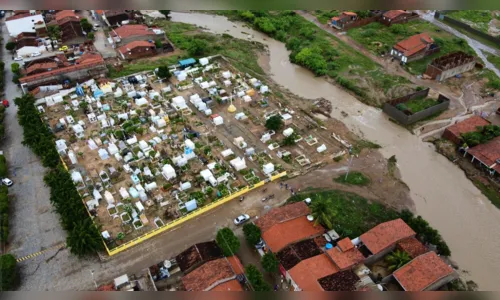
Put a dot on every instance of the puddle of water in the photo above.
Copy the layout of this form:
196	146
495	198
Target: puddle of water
443	195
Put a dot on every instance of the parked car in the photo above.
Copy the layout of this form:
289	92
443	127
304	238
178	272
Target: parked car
96	26
260	244
241	219
64	48
18	58
35	54
7	181
5	103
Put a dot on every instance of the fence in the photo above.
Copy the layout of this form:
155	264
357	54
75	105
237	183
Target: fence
441	15
406	119
189	216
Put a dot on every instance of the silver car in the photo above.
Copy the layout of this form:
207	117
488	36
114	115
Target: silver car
241	219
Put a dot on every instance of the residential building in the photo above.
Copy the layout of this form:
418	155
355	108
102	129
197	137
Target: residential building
454	132
426	272
27	39
412	246
382	239
215	275
343	19
115	17
395	16
415	47
198	254
488	154
71	29
306	273
450	65
345	255
31	21
137	49
89	65
129	33
345	281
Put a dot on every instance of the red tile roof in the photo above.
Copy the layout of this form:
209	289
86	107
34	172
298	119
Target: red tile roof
89	57
64	14
236	265
209	274
467	125
99	11
345	259
18	16
421	272
487	153
41	66
126	48
307	272
283	234
228	286
391	14
413	247
131	30
349	13
345	244
414	44
385	235
282	214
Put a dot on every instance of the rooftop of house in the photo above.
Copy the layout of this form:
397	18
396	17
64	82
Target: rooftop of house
89	57
41	66
198	253
307	272
210	273
341	281
112	13
236	265
487	153
412	246
65	14
131	30
345	14
345	244
290	256
228	286
282	214
467	125
285	233
414	44
128	47
421	272
18	16
385	235
391	14
345	259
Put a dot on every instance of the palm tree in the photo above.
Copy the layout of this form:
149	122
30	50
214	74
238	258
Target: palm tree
397	259
322	212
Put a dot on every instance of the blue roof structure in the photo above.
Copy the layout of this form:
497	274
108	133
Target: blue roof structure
79	90
98	93
187	62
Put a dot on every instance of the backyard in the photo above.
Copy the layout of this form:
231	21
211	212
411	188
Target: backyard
478	19
379	39
419	104
354	178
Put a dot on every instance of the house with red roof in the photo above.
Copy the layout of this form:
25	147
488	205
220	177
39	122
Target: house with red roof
426	272
488	154
137	40
69	24
454	132
215	275
414	48
391	17
343	19
137	49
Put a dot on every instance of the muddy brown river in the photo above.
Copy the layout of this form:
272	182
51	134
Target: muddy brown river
466	219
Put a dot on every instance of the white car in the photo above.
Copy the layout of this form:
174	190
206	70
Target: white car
7	182
241	219
36	54
18	58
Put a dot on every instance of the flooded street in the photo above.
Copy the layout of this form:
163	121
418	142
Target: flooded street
442	194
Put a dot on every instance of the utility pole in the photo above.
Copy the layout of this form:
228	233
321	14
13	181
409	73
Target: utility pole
350	162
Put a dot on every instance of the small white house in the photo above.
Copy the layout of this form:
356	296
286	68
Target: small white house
268	168
238	163
168	172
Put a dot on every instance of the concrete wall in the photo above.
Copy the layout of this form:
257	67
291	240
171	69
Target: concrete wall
403	118
73	75
440	15
455	71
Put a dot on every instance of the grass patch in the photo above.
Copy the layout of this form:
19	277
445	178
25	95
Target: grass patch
353	178
419	104
472	35
324	16
495	60
380	39
364	144
489	192
493	80
141	65
477	19
391	165
321	52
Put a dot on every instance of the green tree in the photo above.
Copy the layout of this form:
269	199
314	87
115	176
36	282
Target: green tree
197	47
274	123
158	44
164	72
166	13
10	46
312	59
9	275
247	15
322	212
86	26
397	259
265	25
256	279
15	68
3	166
270	262
84	239
252	233
227	241
91	36
290	140
54	32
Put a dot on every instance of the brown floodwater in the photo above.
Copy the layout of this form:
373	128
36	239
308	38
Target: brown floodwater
466	219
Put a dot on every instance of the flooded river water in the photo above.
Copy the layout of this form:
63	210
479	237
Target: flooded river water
442	194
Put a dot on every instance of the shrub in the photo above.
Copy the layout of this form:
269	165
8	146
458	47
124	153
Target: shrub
247	15
15	68
252	233
265	25
10	46
91	36
274	123
9	274
3	166
227	241
164	72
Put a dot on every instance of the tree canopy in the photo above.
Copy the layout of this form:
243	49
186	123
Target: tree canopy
164	72
274	123
86	26
197	47
10	46
322	212
483	134
256	279
9	275
270	263
227	241
397	259
166	13
252	233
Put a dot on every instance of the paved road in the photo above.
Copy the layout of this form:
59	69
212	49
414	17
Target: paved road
100	41
476	45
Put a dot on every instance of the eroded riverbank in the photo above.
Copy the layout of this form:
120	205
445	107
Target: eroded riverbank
441	192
